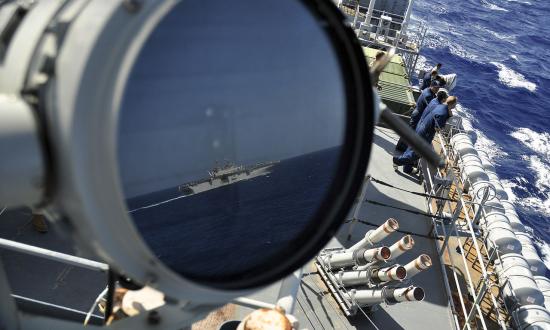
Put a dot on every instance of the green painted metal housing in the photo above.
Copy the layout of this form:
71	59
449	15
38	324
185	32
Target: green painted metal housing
394	82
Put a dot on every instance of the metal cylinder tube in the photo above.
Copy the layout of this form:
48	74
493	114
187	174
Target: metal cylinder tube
390	296
502	237
376	235
418	265
544	286
532	317
369	297
364	256
516	280
338	259
536	265
358	257
403	245
355	277
392	273
512	216
405	294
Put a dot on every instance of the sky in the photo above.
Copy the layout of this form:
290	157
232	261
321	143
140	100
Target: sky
260	83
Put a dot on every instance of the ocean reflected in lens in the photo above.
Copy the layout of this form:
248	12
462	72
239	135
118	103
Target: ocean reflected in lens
230	133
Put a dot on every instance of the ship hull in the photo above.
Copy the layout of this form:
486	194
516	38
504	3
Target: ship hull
218	182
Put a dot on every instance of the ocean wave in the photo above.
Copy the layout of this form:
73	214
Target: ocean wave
537	142
521	1
509	187
492	6
542	169
500	36
513	79
438	40
535	204
544	249
483	143
539	163
461	52
422	64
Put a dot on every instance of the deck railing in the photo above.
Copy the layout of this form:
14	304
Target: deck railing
438	183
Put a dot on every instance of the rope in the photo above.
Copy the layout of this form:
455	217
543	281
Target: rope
407	210
399	231
411	192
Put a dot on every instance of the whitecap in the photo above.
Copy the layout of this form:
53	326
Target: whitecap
505	37
459	51
544	249
537	142
542	171
539	163
422	64
483	143
437	40
509	187
492	6
521	1
512	78
515	57
535	204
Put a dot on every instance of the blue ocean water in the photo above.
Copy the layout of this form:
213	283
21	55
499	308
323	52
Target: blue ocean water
500	50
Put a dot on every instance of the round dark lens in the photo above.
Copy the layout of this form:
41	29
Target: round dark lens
230	133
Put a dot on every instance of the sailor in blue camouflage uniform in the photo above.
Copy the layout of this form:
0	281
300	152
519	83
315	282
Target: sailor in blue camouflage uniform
428	78
439	99
427	128
424	99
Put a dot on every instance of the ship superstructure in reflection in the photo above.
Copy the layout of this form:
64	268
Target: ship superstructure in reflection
226	175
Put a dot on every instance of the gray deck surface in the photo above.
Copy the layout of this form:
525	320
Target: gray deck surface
320	311
50	282
317	309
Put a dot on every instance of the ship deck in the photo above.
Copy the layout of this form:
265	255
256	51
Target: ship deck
434	312
56	289
316	308
43	286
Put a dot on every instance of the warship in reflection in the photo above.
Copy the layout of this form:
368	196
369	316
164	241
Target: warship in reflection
226	175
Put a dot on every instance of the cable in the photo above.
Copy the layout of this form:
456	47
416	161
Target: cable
361	309
3	210
399	231
411	192
407	210
347	292
89	314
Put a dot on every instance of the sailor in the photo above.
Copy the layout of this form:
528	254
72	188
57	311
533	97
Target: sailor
440	98
424	99
39	223
377	58
427	128
427	79
437	67
379	55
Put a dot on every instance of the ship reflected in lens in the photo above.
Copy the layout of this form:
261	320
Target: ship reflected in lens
230	134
